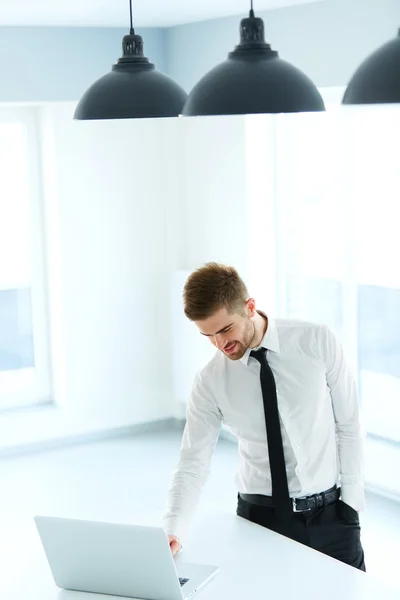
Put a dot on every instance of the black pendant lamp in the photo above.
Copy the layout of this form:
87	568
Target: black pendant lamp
133	89
253	80
377	79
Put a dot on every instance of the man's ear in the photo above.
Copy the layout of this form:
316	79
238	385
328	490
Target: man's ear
251	307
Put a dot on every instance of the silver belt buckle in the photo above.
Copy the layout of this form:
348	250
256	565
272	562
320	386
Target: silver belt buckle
294	505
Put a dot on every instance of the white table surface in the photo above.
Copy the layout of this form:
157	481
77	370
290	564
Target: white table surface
254	563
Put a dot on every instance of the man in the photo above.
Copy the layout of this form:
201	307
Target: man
286	392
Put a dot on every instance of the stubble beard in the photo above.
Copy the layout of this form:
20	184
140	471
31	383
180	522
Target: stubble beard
242	346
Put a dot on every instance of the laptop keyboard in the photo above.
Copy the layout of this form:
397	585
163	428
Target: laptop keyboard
183	581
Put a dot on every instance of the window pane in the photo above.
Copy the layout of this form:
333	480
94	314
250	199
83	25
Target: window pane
16	338
379	358
23	368
15	207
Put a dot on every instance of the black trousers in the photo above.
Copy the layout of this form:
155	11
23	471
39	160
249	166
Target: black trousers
333	530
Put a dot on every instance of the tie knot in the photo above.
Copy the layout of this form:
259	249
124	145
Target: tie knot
259	355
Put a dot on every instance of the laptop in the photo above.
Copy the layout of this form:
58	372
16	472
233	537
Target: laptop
117	560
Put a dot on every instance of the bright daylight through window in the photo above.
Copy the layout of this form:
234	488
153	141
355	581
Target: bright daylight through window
334	205
24	368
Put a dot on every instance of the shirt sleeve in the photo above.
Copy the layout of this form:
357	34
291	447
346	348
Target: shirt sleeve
349	431
203	424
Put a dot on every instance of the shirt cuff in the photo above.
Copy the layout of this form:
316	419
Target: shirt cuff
354	496
173	526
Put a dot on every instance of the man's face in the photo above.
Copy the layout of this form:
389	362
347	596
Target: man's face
230	333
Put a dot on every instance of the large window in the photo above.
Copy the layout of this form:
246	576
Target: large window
335	208
24	364
374	192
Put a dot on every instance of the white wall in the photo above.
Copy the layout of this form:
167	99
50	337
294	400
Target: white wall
213	227
213	186
87	54
111	251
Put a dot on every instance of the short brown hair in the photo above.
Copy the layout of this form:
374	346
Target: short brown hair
212	287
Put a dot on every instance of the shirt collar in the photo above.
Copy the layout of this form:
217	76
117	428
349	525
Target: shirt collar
270	340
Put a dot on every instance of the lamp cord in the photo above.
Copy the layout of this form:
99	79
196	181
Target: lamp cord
251	10
132	31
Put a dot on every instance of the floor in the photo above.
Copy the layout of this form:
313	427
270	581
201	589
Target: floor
119	478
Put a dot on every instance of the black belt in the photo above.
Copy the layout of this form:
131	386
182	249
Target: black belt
299	504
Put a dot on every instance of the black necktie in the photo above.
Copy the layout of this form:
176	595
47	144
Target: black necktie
280	489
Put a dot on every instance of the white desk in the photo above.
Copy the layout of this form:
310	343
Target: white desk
254	563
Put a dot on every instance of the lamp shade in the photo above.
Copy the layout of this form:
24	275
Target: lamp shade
253	80
377	79
132	90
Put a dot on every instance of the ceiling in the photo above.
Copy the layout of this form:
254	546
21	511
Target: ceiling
115	13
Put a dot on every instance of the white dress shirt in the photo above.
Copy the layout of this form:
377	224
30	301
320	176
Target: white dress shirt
319	415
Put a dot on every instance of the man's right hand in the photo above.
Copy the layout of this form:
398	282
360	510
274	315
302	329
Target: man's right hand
174	544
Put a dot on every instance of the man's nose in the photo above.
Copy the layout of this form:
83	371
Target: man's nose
219	341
